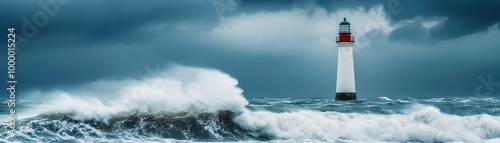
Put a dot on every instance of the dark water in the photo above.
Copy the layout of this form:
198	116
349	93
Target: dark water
381	119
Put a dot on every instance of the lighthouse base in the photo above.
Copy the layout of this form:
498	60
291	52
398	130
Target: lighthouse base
345	96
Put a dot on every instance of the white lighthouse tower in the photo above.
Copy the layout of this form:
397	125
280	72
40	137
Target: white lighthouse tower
346	89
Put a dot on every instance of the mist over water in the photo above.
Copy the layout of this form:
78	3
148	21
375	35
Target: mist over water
195	104
177	89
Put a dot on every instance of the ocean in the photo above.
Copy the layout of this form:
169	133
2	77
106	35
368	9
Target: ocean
190	104
378	119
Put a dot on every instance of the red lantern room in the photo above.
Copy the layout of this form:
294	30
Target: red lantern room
345	32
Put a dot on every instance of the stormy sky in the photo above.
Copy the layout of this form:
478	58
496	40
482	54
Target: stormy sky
274	48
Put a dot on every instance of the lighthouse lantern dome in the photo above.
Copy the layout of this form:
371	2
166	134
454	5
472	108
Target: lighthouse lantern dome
344	27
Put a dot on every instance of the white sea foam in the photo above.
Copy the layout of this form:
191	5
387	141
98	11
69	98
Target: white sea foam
435	100
465	101
385	98
402	101
177	89
424	123
188	89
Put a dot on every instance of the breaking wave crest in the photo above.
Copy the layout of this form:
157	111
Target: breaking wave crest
178	89
133	126
419	123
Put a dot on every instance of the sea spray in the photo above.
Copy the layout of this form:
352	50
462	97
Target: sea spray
422	123
177	89
195	104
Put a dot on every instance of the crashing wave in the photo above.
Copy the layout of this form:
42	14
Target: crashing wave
185	103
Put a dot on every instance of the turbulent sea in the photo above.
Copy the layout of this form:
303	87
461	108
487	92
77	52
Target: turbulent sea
186	104
379	119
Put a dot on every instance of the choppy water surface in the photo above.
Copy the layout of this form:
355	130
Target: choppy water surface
380	119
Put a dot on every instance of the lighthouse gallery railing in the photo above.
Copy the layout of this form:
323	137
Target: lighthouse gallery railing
345	39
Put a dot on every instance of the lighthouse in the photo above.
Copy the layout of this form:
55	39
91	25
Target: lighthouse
346	89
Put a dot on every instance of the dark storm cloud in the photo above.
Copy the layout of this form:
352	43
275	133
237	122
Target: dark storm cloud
92	40
106	19
329	5
463	17
289	4
413	33
89	40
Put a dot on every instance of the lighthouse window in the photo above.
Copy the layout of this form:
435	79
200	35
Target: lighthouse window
344	28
